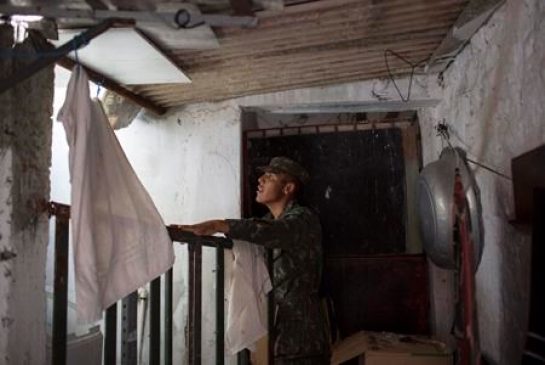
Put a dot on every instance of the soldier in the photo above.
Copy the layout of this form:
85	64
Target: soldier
294	234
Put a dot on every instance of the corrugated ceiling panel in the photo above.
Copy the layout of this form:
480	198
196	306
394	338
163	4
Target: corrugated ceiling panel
319	43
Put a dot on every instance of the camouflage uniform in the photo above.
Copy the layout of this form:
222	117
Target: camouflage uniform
300	330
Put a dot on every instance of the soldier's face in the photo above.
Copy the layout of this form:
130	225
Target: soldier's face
270	188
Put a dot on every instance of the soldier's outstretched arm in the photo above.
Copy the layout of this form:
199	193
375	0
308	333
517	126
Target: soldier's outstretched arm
279	233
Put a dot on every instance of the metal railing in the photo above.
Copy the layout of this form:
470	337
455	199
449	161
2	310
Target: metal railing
129	341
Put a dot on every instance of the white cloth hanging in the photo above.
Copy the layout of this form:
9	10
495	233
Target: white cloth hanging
119	240
250	283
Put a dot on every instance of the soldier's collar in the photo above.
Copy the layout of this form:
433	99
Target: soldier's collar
287	208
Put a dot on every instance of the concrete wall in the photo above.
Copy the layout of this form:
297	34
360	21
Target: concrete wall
25	154
492	98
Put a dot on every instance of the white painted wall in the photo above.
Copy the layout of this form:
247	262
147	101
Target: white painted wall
493	99
190	163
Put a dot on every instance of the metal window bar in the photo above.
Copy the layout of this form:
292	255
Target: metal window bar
128	335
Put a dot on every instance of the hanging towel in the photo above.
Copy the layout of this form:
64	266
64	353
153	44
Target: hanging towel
250	283
119	240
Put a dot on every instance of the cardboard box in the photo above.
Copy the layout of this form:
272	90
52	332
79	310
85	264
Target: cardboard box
383	348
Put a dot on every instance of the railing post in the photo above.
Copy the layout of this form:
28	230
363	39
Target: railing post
195	301
110	337
220	306
60	301
168	317
129	333
155	322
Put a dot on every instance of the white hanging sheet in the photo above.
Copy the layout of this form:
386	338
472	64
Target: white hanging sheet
120	241
250	283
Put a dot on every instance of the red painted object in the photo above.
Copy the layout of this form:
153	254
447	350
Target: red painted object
468	344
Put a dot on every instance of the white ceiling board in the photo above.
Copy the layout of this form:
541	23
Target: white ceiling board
125	56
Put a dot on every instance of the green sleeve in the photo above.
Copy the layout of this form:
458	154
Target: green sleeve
281	233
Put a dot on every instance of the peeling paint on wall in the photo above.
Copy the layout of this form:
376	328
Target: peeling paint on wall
25	145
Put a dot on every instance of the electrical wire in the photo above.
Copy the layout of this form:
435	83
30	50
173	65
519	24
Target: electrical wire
443	132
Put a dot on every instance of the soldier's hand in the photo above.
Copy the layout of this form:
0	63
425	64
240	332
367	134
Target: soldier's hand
207	228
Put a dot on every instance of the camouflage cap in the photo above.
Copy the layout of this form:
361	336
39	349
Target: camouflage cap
287	166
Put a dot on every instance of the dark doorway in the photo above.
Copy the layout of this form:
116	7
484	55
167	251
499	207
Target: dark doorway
359	184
